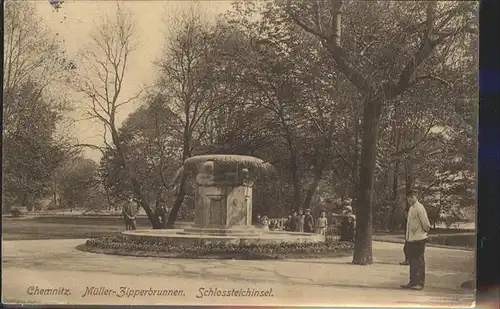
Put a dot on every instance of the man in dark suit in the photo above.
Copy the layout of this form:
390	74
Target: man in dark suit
129	212
308	222
296	222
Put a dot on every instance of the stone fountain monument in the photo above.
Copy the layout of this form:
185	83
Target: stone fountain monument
223	205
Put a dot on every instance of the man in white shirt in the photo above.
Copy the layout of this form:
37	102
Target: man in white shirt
417	227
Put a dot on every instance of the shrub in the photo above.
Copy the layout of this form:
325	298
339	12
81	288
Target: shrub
119	242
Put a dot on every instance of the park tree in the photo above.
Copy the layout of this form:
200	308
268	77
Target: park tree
35	70
78	183
151	137
31	151
289	115
31	51
382	48
189	80
103	68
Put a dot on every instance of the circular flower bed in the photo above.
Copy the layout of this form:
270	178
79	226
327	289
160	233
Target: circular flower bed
117	244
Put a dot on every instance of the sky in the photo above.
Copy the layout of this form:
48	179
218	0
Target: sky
75	20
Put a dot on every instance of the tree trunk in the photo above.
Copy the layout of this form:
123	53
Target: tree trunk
295	181
314	185
363	241
179	198
395	180
172	216
395	185
155	223
136	188
408	178
408	175
355	166
294	171
24	203
54	192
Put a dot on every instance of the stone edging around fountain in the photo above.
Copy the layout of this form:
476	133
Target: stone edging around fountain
120	244
179	237
215	255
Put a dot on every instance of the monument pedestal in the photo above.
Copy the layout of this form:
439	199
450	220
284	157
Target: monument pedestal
223	209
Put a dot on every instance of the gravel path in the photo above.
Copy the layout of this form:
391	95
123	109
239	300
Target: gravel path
33	265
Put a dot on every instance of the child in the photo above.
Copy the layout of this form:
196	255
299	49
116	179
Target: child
289	226
296	222
258	221
265	223
322	224
273	225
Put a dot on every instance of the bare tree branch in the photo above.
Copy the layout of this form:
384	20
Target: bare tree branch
104	65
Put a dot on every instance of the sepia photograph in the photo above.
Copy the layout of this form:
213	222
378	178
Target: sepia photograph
271	152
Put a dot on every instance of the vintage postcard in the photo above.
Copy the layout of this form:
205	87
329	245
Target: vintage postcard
282	152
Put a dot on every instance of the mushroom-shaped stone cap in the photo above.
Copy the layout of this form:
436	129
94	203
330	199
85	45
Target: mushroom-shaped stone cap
221	158
246	162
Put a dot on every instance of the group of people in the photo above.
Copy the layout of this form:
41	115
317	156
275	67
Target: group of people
130	210
303	221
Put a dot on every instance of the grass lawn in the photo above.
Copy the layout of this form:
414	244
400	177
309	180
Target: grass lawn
64	227
59	227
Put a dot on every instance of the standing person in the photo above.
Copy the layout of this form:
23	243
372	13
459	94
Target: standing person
322	224
347	207
129	212
289	223
308	222
265	223
417	227
348	228
258	221
348	223
161	214
296	222
301	220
